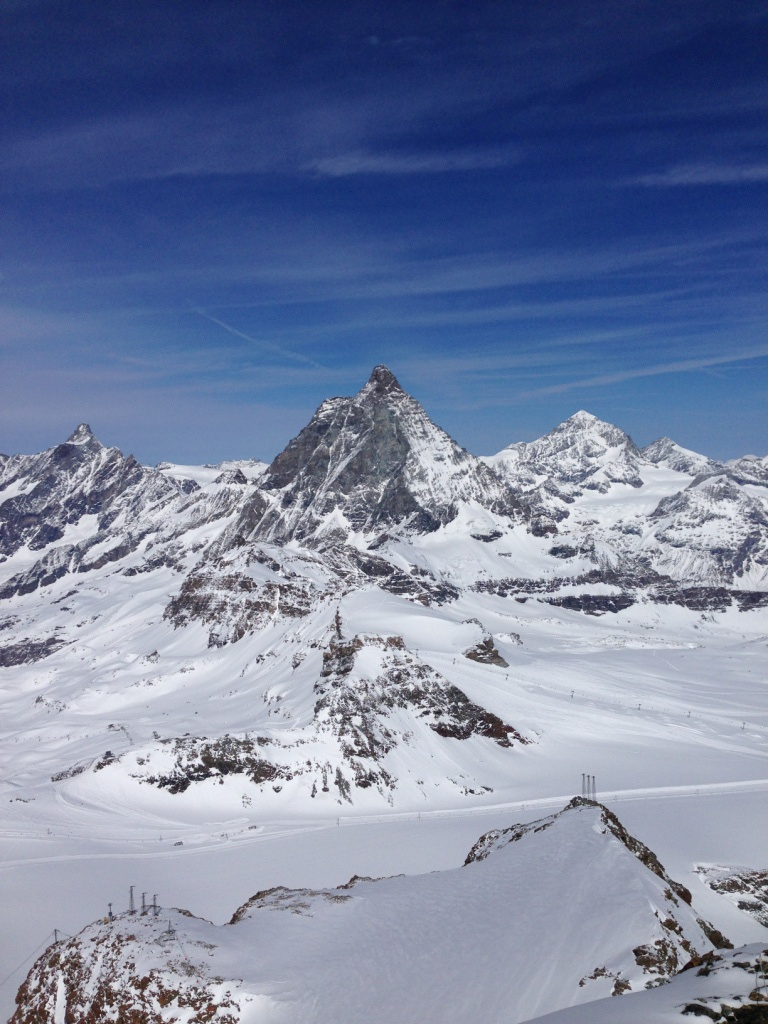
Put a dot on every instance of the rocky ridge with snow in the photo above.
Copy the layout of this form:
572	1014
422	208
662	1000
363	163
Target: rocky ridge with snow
454	945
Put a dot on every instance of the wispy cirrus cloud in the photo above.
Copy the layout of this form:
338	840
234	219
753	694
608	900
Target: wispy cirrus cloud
705	174
635	373
347	164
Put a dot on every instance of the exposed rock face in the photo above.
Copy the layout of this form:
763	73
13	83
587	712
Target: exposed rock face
233	603
28	651
404	682
365	464
485	652
713	531
746	887
372	697
70	984
749	470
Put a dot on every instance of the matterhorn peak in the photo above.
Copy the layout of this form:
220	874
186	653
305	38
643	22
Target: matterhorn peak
368	463
82	434
381	382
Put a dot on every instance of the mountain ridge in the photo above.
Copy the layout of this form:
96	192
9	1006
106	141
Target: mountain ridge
272	955
371	505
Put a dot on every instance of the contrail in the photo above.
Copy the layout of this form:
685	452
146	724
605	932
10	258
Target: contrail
255	341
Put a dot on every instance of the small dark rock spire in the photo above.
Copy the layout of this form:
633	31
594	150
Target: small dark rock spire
382	379
80	434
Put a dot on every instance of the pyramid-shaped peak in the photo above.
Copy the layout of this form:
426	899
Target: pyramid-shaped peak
82	434
584	425
370	462
582	418
668	453
382	381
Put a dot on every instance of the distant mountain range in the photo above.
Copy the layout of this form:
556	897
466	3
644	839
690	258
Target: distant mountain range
379	620
277	566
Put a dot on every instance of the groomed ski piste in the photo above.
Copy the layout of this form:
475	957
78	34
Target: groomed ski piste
673	729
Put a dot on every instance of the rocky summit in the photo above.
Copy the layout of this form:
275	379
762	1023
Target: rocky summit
366	464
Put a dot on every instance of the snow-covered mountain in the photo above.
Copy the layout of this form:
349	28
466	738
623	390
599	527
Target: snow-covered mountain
480	942
688	518
666	453
583	453
271	566
371	497
363	465
376	623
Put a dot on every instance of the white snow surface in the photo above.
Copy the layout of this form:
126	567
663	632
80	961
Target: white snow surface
666	705
501	939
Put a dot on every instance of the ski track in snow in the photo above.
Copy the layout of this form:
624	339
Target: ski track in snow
266	831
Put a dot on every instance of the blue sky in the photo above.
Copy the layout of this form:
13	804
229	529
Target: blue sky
215	215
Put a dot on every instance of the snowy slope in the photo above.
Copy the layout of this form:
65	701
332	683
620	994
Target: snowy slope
727	987
376	624
501	939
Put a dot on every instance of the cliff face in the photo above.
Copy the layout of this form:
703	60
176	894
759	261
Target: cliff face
365	464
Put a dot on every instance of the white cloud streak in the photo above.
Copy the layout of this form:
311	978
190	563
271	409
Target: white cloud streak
675	366
705	174
268	346
348	164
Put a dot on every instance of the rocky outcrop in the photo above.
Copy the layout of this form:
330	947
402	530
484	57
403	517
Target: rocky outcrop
98	977
373	697
746	887
233	603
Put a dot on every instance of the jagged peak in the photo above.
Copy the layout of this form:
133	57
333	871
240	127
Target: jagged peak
665	446
82	434
666	452
662	443
583	420
584	426
381	382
